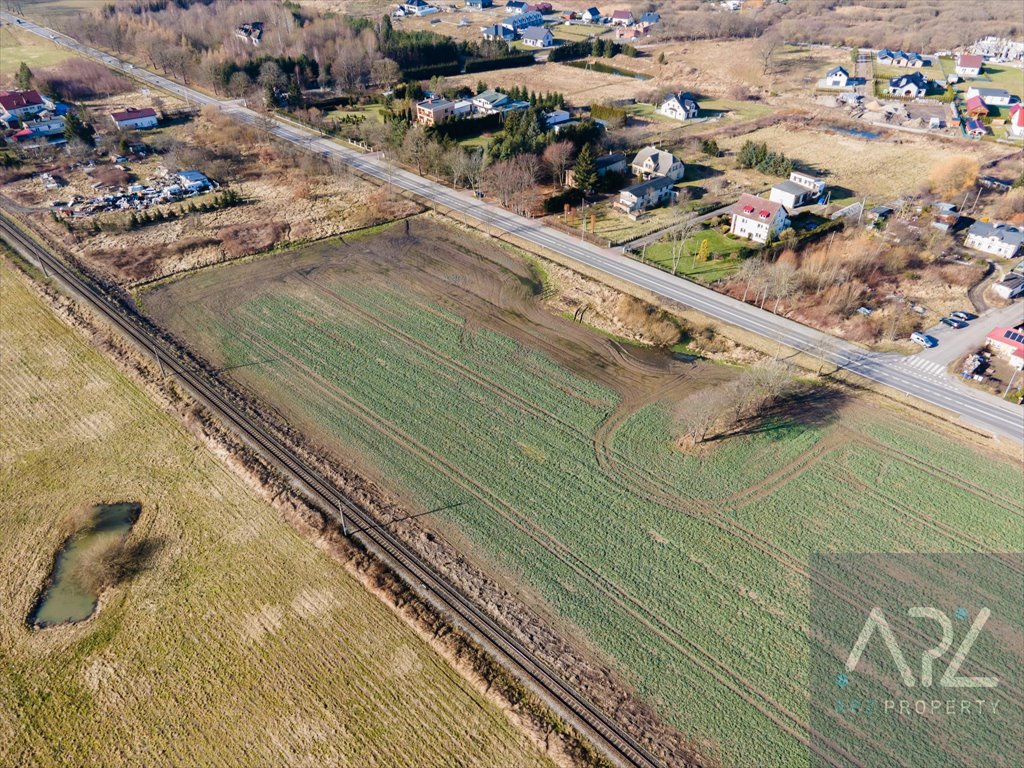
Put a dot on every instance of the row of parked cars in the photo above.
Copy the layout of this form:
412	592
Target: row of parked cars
955	320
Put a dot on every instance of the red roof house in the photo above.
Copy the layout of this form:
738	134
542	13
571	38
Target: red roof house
1008	343
622	17
1017	121
18	103
976	106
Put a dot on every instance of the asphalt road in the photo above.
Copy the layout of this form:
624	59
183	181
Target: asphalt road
978	409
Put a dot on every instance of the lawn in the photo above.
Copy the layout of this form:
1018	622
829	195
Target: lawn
368	111
18	46
239	642
995	76
687	569
617	227
721	246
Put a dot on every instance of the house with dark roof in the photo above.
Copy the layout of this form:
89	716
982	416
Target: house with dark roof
490	101
135	119
799	189
757	219
651	17
592	15
837	77
515	6
523	20
498	32
908	86
537	37
680	106
651	162
900	58
975	129
997	239
22	104
479	3
648	194
994	97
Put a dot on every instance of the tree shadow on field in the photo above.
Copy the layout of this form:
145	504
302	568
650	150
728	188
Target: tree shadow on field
811	406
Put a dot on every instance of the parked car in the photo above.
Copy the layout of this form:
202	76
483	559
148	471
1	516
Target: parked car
953	323
962	316
923	339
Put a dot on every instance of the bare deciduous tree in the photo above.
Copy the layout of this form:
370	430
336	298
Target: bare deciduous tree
557	157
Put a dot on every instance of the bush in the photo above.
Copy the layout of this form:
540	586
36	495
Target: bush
614	116
504	62
468	128
570	51
556	203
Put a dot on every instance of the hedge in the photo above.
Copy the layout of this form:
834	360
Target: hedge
504	62
424	73
467	127
570	51
556	203
615	116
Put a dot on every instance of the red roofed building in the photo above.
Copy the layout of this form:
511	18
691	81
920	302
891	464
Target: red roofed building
1017	121
969	65
622	18
976	107
758	219
1008	343
21	104
135	119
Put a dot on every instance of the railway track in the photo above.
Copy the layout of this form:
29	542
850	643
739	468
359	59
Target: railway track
603	731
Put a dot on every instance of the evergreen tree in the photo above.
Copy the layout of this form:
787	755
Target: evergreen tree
76	129
584	174
596	48
24	76
703	252
609	48
294	95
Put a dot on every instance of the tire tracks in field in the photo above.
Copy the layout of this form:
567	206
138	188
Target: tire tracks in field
781	715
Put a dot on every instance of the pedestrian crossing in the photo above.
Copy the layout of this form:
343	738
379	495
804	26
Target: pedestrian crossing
926	367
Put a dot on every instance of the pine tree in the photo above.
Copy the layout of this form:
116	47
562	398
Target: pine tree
703	252
584	173
24	76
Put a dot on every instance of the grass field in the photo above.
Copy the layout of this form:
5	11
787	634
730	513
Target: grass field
995	76
240	643
17	46
707	271
687	569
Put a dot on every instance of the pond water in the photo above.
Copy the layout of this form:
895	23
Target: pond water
64	599
859	133
599	66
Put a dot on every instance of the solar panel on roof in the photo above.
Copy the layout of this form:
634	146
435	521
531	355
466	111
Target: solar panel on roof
1014	336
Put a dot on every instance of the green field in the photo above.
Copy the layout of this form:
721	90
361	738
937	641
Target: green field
238	643
17	46
687	569
703	271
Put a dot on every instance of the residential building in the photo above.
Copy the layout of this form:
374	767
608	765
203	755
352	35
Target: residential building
837	77
909	86
945	216
523	20
46	128
800	189
622	18
900	58
611	163
498	32
648	194
976	107
1010	287
994	97
434	111
969	65
251	31
630	34
1008	343
998	239
419	8
490	101
515	6
479	4
556	117
22	104
758	219
193	181
975	129
541	8
651	17
135	119
1017	121
651	162
680	106
537	37
592	15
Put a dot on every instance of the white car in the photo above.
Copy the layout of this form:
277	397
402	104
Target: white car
923	339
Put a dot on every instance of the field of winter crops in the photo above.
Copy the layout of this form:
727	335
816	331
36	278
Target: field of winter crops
689	570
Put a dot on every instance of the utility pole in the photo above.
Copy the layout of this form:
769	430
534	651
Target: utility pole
344	525
1010	385
159	363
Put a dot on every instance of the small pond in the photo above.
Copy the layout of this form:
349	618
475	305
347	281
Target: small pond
599	66
66	598
859	133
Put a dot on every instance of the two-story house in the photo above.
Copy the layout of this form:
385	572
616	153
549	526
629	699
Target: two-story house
757	219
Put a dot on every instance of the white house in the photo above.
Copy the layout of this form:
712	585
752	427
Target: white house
1017	121
651	162
680	106
622	18
523	20
556	117
800	189
490	101
969	65
21	104
837	77
647	194
419	8
1010	287
538	37
497	32
998	239
757	219
193	181
515	6
135	119
592	15
994	97
909	86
